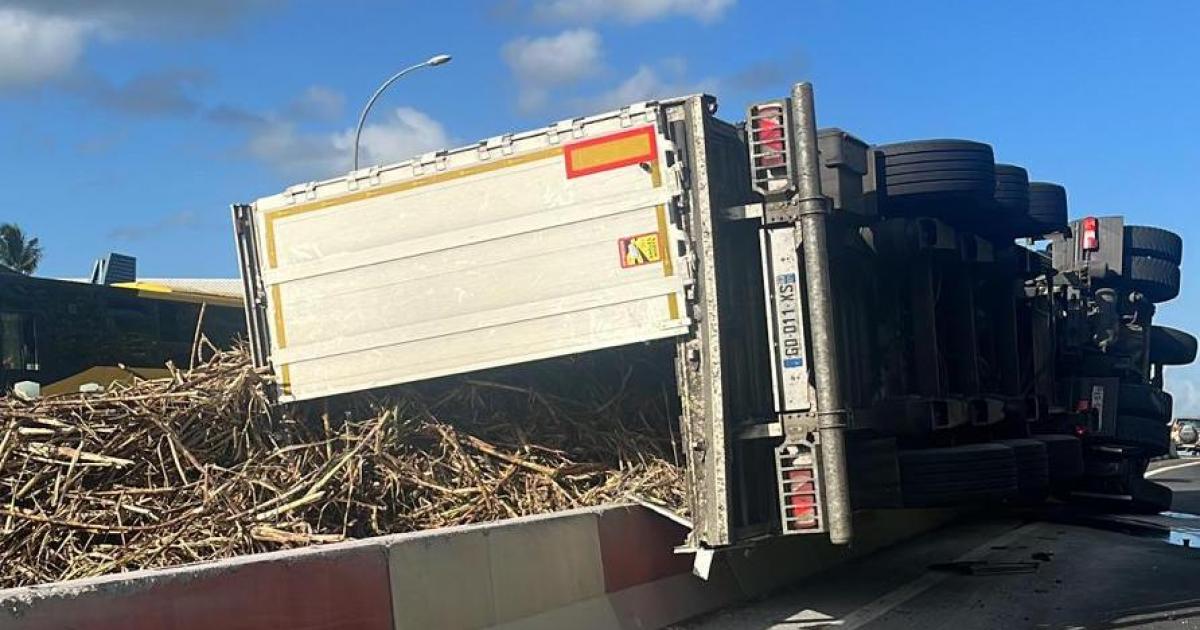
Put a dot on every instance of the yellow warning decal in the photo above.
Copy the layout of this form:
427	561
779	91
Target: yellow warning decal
642	249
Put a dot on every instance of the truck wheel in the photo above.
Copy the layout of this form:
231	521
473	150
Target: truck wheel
1064	455
1033	468
1143	240
1157	279
1152	435
924	175
1047	207
1171	346
1137	399
956	475
1012	193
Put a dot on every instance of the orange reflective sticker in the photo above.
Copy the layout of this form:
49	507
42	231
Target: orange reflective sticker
612	151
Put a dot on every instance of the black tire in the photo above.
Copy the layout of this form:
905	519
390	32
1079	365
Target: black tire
1064	455
1143	240
935	195
1012	191
942	161
1157	279
962	474
925	176
936	150
1171	346
1136	399
1033	467
1152	435
915	167
1047	207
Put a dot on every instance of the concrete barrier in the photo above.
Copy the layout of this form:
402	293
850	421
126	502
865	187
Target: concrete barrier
343	587
611	567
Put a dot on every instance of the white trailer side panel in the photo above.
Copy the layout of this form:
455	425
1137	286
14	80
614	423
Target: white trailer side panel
514	250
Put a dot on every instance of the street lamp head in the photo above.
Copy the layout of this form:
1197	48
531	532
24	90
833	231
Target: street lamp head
435	60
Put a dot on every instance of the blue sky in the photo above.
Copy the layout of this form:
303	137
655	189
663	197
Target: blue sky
131	125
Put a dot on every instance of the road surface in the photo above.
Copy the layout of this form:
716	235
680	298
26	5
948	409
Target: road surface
1183	477
1122	572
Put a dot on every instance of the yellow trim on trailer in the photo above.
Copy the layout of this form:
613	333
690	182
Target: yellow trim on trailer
664	244
280	335
673	306
274	215
285	379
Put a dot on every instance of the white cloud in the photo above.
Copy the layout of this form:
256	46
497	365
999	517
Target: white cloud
1182	384
543	63
404	134
35	48
629	11
42	40
146	17
302	155
648	83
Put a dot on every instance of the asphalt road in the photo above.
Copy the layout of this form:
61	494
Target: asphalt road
1003	572
1182	476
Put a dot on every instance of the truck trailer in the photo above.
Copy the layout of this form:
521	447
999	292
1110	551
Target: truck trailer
854	325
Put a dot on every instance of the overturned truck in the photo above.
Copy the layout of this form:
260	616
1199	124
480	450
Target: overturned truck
854	326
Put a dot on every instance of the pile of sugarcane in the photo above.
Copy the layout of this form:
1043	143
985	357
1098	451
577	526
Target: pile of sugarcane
199	466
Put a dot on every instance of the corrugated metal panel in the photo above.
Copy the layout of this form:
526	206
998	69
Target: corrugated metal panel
538	246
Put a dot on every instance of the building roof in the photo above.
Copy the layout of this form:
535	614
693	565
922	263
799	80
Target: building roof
226	287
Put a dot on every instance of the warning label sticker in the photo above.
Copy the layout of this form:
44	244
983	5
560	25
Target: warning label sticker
642	249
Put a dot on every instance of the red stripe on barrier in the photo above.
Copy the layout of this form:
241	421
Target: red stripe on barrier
345	589
636	546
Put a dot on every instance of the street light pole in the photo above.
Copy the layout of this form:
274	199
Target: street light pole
435	60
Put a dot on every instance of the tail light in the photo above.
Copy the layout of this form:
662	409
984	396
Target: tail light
799	486
1091	234
768	134
801	507
770	162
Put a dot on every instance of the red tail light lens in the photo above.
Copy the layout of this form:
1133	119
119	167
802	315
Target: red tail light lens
802	504
769	134
1091	234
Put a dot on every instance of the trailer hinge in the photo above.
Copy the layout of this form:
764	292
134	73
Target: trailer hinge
562	127
501	144
643	110
371	174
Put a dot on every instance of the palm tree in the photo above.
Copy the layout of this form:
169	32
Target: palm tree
17	252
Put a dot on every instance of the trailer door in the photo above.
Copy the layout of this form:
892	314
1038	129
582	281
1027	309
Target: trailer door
520	248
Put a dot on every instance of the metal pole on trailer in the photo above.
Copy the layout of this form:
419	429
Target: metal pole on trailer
831	412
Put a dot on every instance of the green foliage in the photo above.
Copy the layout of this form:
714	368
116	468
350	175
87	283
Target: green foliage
17	252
